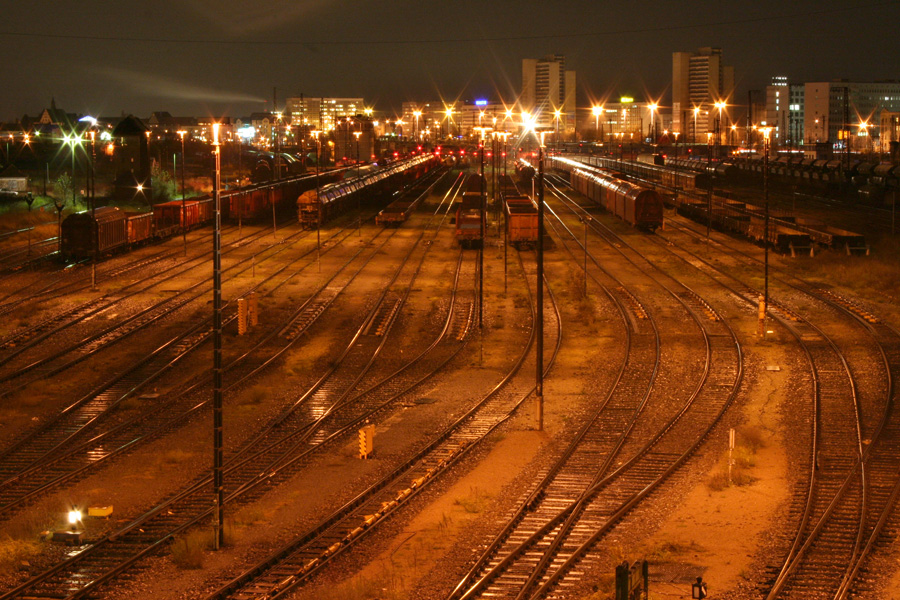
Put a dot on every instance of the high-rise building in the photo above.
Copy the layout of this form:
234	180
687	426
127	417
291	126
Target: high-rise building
547	87
699	81
322	113
848	113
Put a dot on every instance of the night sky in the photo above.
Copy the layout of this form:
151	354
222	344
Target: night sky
223	57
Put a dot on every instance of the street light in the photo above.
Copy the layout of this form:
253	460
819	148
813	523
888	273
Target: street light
416	114
765	309
720	105
181	133
557	114
218	452
315	133
597	110
71	140
864	130
653	108
529	124
356	134
696	112
709	174
449	112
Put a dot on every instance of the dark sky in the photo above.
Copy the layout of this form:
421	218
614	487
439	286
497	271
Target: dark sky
197	57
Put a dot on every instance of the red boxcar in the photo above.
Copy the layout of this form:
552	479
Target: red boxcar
140	227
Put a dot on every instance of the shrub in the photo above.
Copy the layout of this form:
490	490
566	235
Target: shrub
14	552
187	549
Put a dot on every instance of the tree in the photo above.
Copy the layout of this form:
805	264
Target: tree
63	190
162	184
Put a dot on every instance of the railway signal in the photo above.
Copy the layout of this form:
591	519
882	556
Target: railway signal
242	315
366	441
698	589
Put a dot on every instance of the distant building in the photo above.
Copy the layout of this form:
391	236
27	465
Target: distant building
548	87
132	160
844	112
889	128
322	113
348	145
699	80
629	121
164	126
56	118
426	125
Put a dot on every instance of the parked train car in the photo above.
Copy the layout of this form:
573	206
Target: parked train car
469	216
635	204
140	227
469	227
116	230
331	200
521	220
395	213
105	230
661	174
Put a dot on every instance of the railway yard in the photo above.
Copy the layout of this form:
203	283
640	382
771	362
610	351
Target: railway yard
672	430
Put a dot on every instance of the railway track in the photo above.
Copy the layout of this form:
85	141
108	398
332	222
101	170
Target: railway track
45	464
586	492
851	488
255	466
47	458
74	278
22	341
294	564
15	258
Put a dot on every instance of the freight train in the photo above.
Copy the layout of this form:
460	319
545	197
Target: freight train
470	223
635	204
111	229
315	206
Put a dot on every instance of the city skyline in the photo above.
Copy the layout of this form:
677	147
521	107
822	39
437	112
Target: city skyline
203	58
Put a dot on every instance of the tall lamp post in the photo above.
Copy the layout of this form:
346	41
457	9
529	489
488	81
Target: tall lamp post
529	124
720	105
539	375
653	107
765	308
89	184
696	112
709	173
557	114
356	134
449	113
72	140
181	133
315	133
218	453
597	110
416	114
